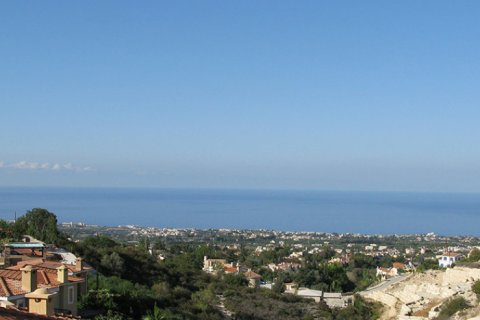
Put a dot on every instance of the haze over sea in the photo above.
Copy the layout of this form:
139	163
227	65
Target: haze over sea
363	212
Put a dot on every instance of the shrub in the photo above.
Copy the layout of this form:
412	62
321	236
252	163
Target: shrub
474	255
452	306
476	287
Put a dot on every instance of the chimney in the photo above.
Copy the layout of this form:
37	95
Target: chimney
6	253
41	302
79	264
29	278
62	274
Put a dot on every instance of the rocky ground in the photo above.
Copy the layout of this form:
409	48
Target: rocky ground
421	295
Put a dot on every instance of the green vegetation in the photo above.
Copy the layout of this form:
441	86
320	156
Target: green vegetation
428	264
132	283
265	304
360	310
451	307
178	287
39	223
476	288
324	276
474	255
262	304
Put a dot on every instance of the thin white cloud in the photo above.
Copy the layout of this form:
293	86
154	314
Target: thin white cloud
56	167
44	166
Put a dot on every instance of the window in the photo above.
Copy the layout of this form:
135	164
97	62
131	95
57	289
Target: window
71	295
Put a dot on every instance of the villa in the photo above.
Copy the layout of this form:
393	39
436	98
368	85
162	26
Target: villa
40	291
448	259
216	265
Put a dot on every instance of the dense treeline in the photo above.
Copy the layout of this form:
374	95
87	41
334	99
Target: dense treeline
38	223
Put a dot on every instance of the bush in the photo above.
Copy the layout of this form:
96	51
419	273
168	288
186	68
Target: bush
428	264
361	309
452	306
476	287
474	255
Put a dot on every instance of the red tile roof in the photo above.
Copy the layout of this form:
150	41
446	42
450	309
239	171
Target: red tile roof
11	281
27	252
40	263
252	275
451	254
399	265
230	269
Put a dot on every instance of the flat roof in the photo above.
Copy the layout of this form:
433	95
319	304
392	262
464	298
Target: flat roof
25	245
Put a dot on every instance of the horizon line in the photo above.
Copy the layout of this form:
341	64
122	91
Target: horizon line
267	189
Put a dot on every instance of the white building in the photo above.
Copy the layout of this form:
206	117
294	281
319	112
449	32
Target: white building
448	258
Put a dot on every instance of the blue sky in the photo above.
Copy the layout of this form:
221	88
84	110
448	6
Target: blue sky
331	95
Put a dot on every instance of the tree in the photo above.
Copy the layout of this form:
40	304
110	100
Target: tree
159	314
474	255
38	223
114	263
110	316
6	232
204	299
279	285
428	264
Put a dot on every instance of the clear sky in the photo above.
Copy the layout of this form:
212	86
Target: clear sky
330	95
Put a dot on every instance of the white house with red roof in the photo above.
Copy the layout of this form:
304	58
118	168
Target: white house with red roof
448	258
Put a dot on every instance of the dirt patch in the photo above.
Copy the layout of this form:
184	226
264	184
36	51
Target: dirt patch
426	309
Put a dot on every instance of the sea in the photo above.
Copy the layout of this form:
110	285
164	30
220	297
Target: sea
318	211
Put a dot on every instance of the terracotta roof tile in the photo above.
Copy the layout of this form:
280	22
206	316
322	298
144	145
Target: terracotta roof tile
11	281
50	265
252	275
4	287
230	269
451	254
399	265
27	252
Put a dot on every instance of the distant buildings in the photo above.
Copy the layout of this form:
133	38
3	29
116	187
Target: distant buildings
384	273
217	265
252	278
